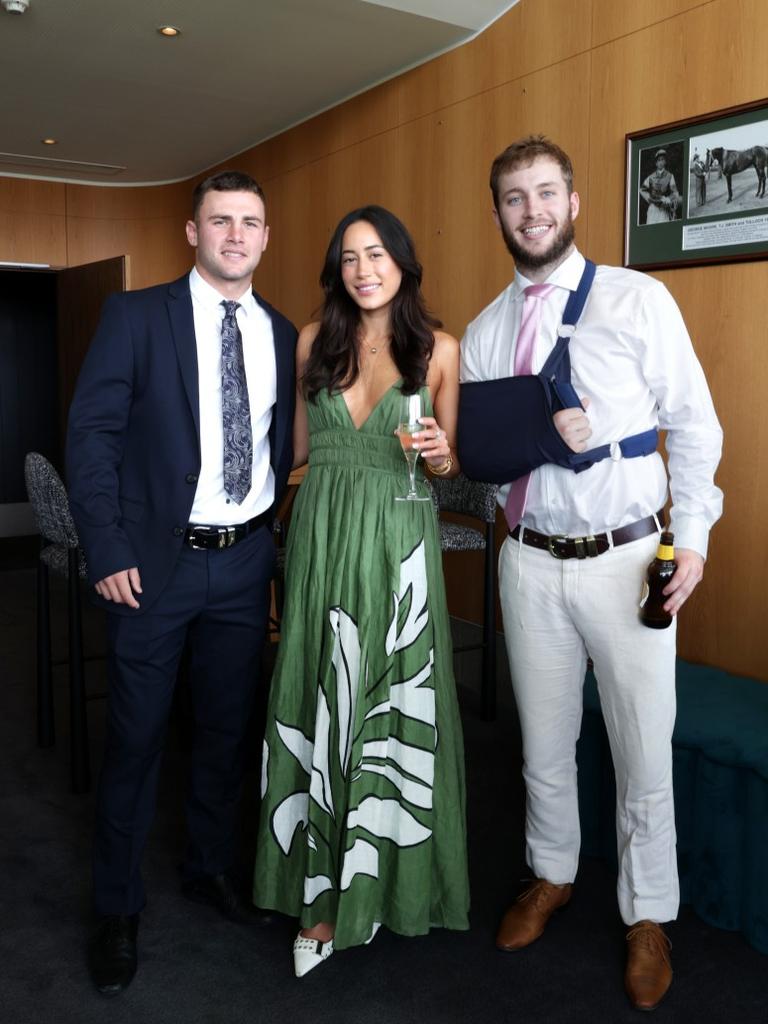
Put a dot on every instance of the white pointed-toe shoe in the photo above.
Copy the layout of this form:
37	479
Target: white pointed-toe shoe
376	926
308	953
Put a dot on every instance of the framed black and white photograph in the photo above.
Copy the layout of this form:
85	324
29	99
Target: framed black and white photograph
696	190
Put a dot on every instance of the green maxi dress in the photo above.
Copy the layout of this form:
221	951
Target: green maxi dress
363	811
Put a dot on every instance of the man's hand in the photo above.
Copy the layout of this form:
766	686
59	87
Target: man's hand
690	569
120	587
573	426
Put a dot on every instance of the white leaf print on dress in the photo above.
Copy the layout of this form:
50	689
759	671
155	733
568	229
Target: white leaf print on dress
413	577
288	815
410	698
413	760
294	809
297	743
361	859
314	885
388	819
320	786
414	792
346	664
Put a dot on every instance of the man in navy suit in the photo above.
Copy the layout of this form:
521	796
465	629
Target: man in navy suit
173	490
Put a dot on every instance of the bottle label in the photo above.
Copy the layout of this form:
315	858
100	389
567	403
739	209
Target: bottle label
666	552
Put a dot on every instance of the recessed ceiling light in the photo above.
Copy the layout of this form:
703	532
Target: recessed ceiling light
169	30
49	142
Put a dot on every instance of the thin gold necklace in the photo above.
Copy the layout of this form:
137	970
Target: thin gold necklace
374	349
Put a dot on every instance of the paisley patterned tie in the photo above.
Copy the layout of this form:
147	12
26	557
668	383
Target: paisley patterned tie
235	408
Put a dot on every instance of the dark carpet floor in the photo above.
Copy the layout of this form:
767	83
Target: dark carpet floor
197	969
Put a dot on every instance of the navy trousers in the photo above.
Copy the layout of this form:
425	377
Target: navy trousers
217	602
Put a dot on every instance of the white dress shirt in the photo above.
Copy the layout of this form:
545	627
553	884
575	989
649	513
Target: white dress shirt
212	505
632	357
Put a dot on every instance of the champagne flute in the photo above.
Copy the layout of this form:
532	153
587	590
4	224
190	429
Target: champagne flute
411	410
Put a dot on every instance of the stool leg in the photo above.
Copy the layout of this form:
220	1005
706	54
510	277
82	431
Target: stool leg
79	753
46	731
489	627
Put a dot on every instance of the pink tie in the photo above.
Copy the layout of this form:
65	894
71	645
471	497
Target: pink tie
526	340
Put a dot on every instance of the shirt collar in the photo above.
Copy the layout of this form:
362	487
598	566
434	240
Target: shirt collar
210	298
567	275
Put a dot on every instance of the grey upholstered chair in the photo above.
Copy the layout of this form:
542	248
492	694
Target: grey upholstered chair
477	500
60	553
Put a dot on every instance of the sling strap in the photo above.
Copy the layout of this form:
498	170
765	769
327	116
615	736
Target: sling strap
557	371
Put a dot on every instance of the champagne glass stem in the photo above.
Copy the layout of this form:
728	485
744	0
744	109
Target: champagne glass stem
412	475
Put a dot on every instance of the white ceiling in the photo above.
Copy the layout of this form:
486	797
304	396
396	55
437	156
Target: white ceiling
129	106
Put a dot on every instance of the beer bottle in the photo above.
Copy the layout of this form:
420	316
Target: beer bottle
660	572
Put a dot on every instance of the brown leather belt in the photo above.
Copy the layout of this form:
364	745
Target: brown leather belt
212	538
593	545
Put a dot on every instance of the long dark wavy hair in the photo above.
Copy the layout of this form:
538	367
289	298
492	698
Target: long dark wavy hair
333	362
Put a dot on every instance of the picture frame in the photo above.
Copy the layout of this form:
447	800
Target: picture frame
696	192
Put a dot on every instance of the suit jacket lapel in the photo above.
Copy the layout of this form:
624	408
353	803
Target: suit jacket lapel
284	357
183	329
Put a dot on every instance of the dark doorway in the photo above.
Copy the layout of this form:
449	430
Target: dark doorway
47	319
28	376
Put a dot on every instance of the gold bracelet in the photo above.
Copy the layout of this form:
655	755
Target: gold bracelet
443	468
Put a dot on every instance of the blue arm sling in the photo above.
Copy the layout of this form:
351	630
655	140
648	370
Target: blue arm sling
519	410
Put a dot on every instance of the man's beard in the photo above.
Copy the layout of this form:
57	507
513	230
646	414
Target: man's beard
561	243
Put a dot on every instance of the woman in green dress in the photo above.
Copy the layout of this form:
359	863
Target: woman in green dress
362	820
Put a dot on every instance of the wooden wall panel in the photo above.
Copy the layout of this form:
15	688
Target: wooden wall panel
360	118
612	20
298	229
33	238
23	196
158	248
141	203
530	37
725	309
32	221
146	224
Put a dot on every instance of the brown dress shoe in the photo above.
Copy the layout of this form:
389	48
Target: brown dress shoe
649	969
525	920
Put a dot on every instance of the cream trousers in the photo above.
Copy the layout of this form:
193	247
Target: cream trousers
556	614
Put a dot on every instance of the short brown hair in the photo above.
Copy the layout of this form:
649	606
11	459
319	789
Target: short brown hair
522	153
225	181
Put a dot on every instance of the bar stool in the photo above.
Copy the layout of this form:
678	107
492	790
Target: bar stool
478	500
59	553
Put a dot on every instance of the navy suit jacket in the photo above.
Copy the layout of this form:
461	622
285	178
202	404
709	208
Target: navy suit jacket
133	444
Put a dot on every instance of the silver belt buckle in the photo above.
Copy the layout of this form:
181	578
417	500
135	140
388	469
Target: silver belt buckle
193	543
551	541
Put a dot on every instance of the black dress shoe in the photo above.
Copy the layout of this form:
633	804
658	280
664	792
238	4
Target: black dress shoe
219	891
112	953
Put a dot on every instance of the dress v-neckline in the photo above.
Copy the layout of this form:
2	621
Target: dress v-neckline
374	407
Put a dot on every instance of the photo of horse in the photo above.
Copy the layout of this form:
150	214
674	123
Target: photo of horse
735	164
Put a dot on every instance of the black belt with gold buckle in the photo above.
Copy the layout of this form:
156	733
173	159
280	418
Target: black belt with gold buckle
593	544
214	538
